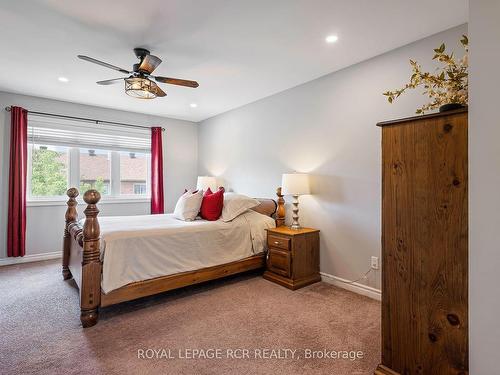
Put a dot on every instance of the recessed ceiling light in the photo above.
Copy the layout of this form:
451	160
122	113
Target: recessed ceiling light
193	105
63	79
331	38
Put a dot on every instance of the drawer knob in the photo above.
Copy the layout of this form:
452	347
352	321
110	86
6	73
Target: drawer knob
276	242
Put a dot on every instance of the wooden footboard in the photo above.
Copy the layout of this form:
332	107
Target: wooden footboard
81	254
71	217
81	259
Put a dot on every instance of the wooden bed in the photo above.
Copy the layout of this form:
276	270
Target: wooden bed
81	259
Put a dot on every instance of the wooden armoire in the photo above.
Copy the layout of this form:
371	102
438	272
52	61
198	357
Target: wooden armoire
424	245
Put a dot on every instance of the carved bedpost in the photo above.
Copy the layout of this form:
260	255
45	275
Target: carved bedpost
90	292
280	211
71	216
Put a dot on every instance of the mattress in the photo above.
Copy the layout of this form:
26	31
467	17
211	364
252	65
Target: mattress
136	248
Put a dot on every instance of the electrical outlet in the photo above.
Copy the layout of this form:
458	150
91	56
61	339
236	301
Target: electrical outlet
374	263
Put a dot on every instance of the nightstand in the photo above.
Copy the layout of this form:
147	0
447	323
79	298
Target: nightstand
292	257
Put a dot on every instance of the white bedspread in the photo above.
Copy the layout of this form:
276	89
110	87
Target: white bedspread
135	248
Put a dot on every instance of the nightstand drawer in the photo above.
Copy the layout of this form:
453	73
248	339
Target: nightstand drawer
281	242
293	256
278	261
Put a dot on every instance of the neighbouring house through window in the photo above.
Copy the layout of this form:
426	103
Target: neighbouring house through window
95	170
134	173
140	189
64	153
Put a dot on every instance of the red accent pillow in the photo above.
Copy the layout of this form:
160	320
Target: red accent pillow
211	205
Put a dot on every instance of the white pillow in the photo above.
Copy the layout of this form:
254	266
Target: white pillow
188	205
235	205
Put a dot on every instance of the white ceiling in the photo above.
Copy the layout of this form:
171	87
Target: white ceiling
238	50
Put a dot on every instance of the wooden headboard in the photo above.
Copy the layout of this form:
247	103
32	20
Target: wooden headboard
270	207
266	207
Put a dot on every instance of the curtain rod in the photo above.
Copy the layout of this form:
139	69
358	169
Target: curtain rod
97	122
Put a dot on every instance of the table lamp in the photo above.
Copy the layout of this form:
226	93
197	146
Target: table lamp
295	184
205	182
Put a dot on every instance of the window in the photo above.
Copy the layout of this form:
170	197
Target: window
49	170
64	153
140	189
134	173
95	170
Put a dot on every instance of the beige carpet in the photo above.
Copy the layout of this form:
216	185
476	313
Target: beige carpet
40	331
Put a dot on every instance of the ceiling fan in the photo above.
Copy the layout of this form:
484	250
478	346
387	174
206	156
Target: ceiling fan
140	83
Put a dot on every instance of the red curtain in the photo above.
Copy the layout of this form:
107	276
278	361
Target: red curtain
16	227
156	171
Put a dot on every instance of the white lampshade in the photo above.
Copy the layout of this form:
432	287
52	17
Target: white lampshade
295	184
205	182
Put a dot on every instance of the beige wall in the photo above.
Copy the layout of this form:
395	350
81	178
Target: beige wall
325	127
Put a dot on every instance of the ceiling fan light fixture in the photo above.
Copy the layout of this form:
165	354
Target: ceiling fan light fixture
140	88
140	84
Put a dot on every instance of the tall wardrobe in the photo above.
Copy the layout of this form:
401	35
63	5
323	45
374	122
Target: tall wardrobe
425	245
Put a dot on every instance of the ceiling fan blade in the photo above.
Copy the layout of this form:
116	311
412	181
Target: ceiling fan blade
176	81
160	92
149	63
109	81
92	60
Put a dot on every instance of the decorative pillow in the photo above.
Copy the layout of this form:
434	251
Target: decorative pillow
188	205
236	204
211	206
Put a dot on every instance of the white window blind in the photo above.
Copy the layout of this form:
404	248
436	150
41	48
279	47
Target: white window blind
72	133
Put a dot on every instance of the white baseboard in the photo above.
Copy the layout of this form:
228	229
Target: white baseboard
354	287
30	258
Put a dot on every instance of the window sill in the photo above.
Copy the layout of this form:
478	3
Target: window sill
60	202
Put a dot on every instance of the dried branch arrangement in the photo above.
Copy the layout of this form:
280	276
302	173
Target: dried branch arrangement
448	85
